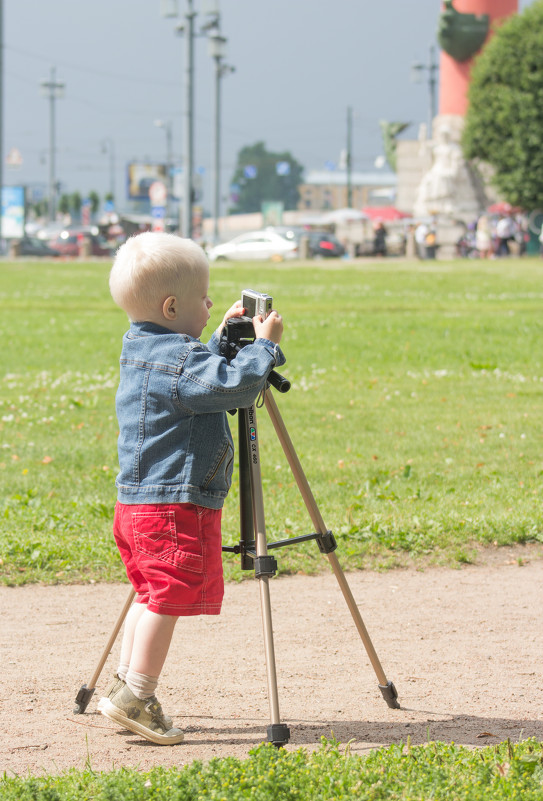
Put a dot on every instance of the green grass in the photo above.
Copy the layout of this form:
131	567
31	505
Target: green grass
416	411
400	772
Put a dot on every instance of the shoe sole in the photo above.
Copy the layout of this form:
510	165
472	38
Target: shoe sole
105	700
117	716
101	703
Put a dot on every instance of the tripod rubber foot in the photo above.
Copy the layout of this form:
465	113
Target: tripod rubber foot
390	694
82	699
278	734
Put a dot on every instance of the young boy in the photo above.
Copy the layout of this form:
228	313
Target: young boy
175	456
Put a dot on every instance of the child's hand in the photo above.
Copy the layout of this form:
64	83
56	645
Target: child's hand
271	328
234	311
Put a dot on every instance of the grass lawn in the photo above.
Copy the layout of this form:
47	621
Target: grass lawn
416	411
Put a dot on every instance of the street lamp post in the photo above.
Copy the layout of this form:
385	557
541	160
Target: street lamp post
169	9
109	148
53	90
432	68
167	126
211	9
1	115
189	119
217	51
349	159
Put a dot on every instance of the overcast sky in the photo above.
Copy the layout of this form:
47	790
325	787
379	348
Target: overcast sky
299	65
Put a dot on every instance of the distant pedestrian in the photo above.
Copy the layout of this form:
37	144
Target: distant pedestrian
431	243
421	231
379	240
505	232
483	237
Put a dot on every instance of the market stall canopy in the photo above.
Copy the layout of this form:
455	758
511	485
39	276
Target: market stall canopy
339	216
503	208
384	213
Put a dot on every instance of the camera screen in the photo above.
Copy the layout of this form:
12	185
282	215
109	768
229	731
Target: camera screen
256	303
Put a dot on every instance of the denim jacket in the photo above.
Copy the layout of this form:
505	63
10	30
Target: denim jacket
175	444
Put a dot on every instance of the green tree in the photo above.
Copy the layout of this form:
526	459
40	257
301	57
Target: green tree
390	131
40	208
64	204
504	122
94	198
76	202
269	181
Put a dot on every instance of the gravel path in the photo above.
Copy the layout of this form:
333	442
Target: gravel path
463	647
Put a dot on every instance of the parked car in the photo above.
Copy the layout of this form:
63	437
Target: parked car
32	246
292	232
258	245
324	245
70	241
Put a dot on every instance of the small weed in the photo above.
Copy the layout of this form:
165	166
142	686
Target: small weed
432	770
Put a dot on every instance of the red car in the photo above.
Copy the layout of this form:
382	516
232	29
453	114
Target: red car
70	243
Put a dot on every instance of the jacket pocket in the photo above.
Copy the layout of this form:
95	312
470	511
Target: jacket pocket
156	536
221	470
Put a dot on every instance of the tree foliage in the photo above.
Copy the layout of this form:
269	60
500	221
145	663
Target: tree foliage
63	204
504	122
76	201
267	184
94	199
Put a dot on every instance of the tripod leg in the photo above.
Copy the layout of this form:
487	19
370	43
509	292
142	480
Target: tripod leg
265	566
387	688
87	691
246	522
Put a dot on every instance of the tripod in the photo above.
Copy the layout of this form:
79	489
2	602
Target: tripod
253	549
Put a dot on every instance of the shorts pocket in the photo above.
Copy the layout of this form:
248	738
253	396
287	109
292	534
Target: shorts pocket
156	536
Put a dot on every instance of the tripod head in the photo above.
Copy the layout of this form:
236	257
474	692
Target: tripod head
236	334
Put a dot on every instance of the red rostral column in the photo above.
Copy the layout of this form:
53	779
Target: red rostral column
454	75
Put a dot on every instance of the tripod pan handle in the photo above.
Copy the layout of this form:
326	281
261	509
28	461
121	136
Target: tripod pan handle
278	381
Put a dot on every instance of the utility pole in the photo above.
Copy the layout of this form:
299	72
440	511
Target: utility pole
167	126
1	117
169	9
109	148
52	90
189	120
348	165
432	68
432	83
217	49
211	9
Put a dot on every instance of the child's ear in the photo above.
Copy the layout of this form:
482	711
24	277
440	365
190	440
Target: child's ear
169	308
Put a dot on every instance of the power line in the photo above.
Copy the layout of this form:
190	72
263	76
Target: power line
138	79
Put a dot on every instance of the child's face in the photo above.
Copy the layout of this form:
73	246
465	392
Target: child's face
194	306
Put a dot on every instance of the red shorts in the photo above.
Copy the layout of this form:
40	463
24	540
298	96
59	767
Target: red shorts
172	554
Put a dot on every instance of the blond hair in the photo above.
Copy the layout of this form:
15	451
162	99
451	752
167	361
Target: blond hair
151	266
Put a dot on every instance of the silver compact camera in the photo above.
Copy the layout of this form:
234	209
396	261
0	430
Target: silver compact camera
256	303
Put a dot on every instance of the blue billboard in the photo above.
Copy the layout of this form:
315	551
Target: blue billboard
13	212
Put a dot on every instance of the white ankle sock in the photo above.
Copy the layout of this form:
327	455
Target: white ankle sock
122	670
141	685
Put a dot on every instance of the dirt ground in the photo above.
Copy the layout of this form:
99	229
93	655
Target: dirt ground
463	648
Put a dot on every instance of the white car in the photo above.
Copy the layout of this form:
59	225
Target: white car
258	245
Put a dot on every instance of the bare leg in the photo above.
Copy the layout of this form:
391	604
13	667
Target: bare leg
151	641
132	619
135	706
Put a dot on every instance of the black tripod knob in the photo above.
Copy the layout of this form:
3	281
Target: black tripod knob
279	382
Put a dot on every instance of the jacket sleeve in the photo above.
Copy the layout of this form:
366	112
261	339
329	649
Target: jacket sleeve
207	383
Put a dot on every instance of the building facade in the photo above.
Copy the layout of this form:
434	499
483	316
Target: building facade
327	189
